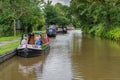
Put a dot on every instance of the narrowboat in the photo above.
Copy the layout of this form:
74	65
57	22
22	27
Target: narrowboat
51	32
61	30
33	44
70	28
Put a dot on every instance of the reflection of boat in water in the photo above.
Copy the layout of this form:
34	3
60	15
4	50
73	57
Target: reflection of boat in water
33	44
35	68
30	66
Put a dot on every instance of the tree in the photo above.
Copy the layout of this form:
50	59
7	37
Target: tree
63	15
27	11
92	12
51	14
19	8
34	16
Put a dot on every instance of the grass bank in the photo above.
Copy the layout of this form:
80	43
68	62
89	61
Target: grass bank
8	47
9	38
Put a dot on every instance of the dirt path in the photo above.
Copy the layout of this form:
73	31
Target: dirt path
7	42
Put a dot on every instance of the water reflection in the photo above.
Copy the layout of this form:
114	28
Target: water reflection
58	63
30	66
95	59
22	68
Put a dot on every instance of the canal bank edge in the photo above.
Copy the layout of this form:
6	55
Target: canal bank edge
7	55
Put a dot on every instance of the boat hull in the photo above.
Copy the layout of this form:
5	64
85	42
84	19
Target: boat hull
51	35
27	52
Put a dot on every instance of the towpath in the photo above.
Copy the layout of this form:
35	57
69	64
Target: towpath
7	42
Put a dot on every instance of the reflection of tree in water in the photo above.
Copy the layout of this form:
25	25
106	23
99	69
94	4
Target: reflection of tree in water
32	66
77	38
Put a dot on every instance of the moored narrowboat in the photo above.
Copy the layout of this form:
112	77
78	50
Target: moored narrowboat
61	30
51	32
33	44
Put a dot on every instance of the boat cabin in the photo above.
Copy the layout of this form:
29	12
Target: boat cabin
32	37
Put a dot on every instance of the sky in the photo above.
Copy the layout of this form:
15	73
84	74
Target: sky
64	2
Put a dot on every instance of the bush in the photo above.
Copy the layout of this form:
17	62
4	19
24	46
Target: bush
113	33
6	30
85	28
97	30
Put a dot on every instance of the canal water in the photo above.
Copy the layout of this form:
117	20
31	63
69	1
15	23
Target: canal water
72	56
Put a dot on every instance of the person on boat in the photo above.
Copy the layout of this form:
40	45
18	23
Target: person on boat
24	41
37	41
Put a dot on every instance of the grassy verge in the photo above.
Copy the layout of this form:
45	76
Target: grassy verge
8	38
8	47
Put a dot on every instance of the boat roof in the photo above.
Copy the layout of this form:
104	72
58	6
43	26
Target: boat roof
36	32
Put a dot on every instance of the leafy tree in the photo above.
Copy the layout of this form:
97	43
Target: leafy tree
51	14
56	14
92	12
34	16
63	15
27	11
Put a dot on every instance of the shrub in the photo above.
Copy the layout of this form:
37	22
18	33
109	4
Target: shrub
113	33
6	30
97	30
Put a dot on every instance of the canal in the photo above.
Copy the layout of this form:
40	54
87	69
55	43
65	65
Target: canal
72	56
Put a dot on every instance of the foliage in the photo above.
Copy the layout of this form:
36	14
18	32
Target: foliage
97	30
90	13
63	15
27	11
113	34
5	30
51	14
94	12
56	14
34	17
32	14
